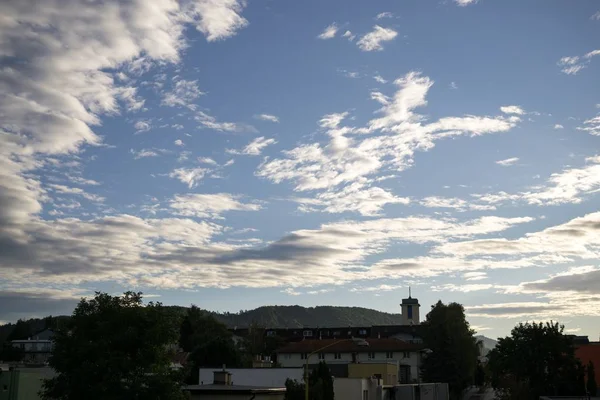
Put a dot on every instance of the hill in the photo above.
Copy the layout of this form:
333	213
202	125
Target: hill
298	317
488	343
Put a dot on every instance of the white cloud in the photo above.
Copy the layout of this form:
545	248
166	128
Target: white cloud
183	94
453	85
379	79
508	162
352	158
209	205
373	40
207	160
454	203
572	65
558	126
592	126
267	117
208	121
596	16
143	153
463	3
142	126
219	19
385	14
475	287
349	35
189	176
76	191
255	147
512	110
329	32
178	142
474	276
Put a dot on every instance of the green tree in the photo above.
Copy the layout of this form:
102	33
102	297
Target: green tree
115	347
536	360
591	385
10	353
320	385
21	331
208	341
454	351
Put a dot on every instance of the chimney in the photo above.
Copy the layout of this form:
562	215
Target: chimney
222	377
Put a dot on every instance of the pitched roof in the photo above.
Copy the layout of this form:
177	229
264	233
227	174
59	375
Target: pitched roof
348	346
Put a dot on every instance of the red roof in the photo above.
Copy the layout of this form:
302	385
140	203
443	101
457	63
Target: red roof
349	346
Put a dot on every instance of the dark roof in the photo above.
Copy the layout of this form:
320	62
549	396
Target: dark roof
410	300
348	346
233	389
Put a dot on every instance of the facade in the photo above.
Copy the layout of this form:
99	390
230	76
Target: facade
37	349
271	377
357	389
23	383
407	356
222	388
387	372
587	352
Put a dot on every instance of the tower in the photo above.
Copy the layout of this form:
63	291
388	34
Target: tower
410	310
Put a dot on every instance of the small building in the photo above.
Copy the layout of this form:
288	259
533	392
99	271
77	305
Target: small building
357	389
36	349
272	377
23	383
223	388
386	372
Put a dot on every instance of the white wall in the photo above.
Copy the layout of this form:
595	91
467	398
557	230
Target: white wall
352	388
273	377
295	360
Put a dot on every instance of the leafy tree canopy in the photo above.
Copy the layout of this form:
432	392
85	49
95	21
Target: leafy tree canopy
320	385
536	360
453	355
591	385
114	347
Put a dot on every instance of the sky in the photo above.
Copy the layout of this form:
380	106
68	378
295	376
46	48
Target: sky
234	154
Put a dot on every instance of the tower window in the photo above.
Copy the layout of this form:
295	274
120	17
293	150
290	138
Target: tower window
409	311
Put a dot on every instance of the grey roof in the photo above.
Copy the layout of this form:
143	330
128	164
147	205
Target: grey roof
233	389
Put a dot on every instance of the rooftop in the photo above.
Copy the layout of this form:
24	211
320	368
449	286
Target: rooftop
233	389
349	346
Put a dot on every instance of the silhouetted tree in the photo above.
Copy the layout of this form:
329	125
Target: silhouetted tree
114	347
536	360
454	351
320	385
21	331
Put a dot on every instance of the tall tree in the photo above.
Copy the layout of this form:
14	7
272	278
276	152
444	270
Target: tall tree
208	341
539	357
591	385
320	385
114	347
21	331
454	351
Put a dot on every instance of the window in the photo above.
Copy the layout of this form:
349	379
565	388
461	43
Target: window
336	333
389	354
365	395
288	356
271	333
362	331
406	354
321	356
337	356
409	311
304	356
307	333
371	355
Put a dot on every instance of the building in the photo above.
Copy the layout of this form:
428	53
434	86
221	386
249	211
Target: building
374	389
408	356
587	352
23	383
410	310
222	388
36	349
386	372
271	377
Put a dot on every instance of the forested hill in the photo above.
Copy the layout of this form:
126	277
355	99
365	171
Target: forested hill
298	317
266	316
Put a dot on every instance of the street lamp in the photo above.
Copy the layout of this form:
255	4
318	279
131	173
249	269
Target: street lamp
358	341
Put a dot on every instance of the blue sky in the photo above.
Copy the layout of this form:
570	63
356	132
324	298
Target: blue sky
236	154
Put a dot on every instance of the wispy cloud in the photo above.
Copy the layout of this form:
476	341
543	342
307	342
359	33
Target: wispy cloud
373	40
219	19
512	110
572	65
463	3
210	122
209	205
143	153
596	16
508	162
329	32
142	125
76	191
385	14
558	126
183	94
267	117
349	35
189	176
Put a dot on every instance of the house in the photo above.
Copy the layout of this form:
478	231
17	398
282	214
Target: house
272	377
408	356
222	388
36	349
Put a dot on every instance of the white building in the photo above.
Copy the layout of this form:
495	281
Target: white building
407	355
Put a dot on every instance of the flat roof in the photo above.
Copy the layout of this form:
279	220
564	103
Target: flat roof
212	388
